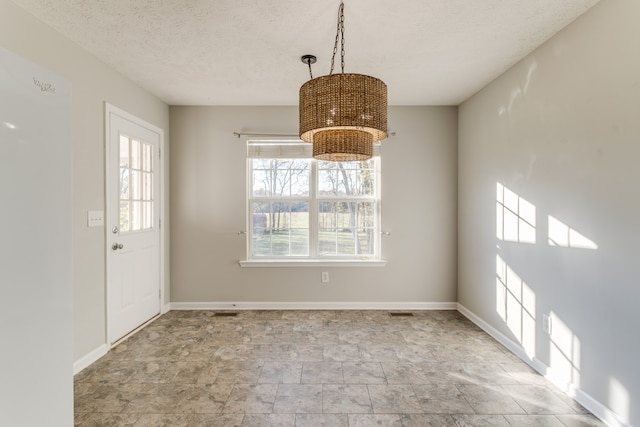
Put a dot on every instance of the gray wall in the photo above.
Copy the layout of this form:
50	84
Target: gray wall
208	190
562	130
93	83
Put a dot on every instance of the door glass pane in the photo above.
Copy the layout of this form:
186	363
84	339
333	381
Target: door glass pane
124	216
147	165
124	183
124	151
136	185
135	154
147	188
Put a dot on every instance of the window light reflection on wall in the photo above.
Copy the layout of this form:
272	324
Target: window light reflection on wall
516	305
562	235
515	217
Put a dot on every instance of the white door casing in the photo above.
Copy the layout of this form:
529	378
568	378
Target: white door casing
133	177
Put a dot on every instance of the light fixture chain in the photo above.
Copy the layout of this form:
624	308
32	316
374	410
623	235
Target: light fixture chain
342	34
339	36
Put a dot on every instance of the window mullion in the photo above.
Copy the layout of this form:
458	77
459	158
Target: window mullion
313	209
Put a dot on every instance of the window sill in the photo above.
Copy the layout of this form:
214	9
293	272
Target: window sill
312	263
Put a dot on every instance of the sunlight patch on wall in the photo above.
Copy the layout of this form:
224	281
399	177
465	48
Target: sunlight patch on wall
515	217
619	400
516	305
564	353
561	234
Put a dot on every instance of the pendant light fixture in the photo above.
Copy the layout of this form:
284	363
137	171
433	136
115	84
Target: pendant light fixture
342	114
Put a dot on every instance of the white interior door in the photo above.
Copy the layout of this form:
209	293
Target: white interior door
133	223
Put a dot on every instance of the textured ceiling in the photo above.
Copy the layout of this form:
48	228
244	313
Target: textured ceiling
247	52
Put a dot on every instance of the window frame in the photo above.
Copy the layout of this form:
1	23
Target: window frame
314	256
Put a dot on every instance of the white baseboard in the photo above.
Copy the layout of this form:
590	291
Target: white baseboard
592	405
165	308
313	305
598	409
89	358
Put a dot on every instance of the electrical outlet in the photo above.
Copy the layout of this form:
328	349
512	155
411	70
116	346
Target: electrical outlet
325	277
546	324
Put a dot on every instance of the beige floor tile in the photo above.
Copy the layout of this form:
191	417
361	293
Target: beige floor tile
251	399
322	373
317	368
430	420
414	353
281	372
156	398
298	398
387	399
367	420
580	420
237	372
108	397
163	420
534	421
490	399
204	399
523	373
377	353
405	373
537	399
480	421
216	420
269	420
322	420
106	420
341	353
363	373
442	399
345	399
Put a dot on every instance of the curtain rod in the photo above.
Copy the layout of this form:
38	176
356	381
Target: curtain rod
282	135
239	134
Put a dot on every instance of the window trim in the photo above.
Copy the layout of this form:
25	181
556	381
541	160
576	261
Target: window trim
313	259
280	262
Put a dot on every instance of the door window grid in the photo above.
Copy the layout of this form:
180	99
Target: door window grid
136	185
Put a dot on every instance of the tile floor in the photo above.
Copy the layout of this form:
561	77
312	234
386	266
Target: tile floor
317	368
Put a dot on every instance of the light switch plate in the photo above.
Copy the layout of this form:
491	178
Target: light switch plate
95	218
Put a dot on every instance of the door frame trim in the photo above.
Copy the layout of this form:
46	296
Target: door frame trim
108	110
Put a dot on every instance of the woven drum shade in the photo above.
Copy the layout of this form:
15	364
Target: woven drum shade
342	145
343	115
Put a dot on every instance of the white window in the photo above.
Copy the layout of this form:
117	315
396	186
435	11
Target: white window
301	208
